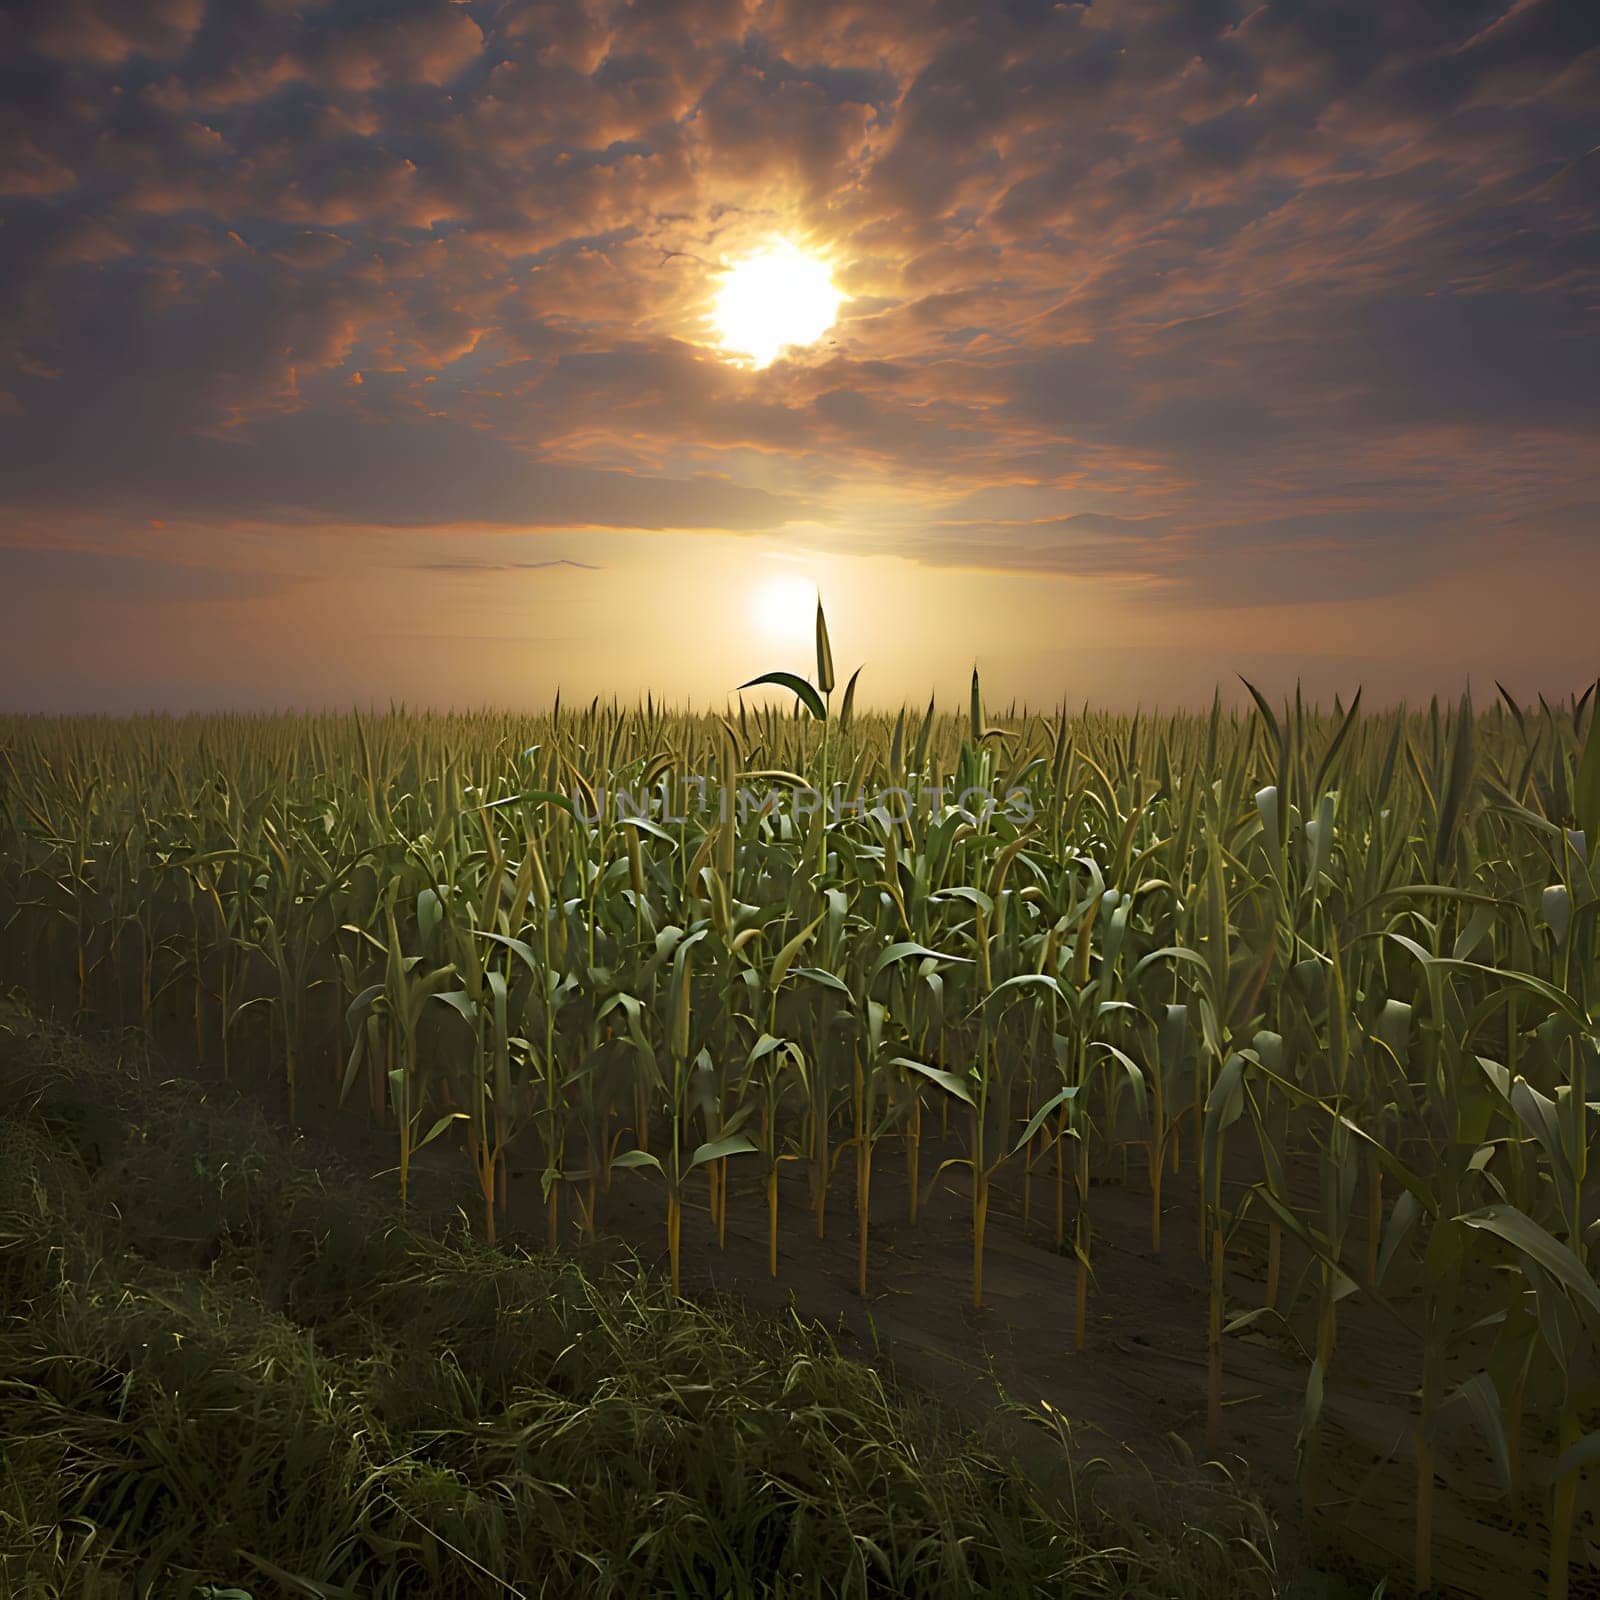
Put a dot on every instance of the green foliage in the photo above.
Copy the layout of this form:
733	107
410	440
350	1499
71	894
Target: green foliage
1360	946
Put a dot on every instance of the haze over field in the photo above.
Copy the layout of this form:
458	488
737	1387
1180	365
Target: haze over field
352	352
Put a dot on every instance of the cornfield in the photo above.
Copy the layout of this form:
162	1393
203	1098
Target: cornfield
1356	952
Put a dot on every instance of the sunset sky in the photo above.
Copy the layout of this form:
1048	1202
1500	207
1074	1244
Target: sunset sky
361	351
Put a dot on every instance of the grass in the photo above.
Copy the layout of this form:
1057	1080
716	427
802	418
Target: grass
226	1370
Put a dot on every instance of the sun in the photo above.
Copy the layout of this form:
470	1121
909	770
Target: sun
784	610
775	299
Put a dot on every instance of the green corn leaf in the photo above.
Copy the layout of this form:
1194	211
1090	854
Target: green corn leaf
1131	1069
1586	791
900	951
784	958
1027	980
824	653
1575	1457
534	797
948	1081
1223	1107
1525	1235
1480	1400
823	979
1407	1209
1310	1410
439	1127
798	687
637	1158
460	1001
1060	1098
848	704
733	1144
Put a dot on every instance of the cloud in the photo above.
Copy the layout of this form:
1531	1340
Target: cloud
308	469
102	573
467	568
1261	302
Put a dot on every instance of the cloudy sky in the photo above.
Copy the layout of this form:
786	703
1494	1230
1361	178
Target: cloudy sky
360	350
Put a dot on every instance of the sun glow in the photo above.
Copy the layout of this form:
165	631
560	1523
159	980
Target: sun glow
773	300
784	610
